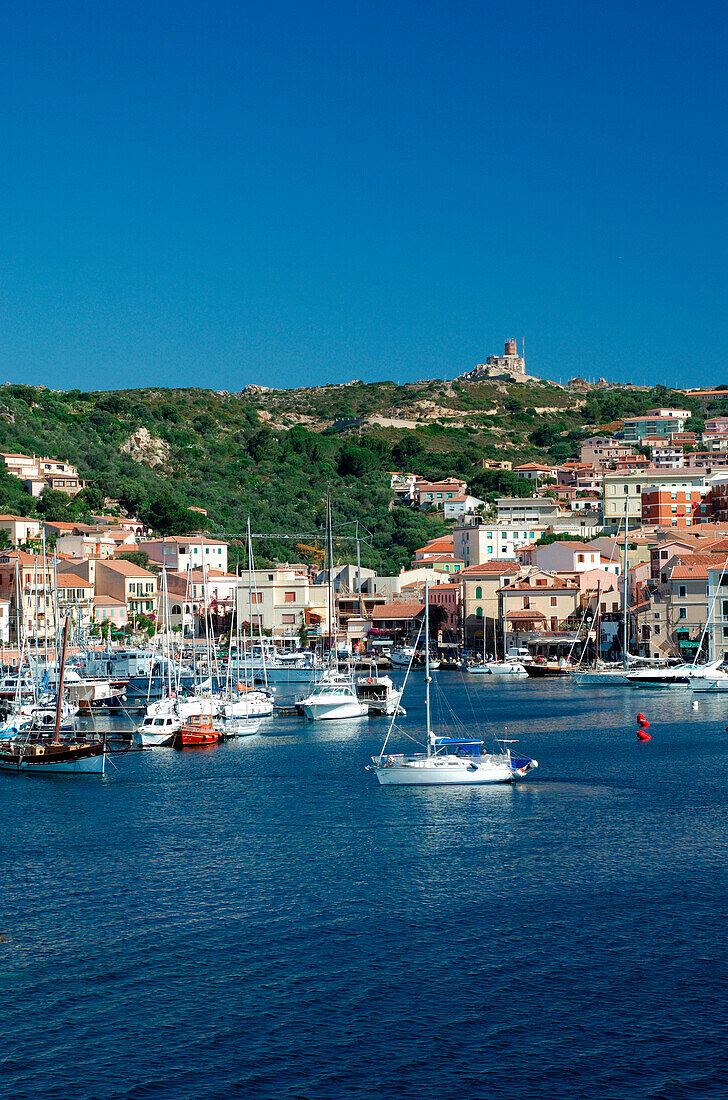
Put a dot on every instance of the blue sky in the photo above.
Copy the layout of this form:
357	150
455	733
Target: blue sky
296	193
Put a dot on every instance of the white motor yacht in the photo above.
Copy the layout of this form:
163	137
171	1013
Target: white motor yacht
401	657
157	730
334	696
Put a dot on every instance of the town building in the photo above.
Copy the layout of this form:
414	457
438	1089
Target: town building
477	542
654	422
673	507
182	552
537	472
519	511
480	585
602	450
38	473
623	491
461	505
437	492
20	529
285	601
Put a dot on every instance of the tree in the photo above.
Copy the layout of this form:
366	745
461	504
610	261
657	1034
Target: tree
53	504
138	557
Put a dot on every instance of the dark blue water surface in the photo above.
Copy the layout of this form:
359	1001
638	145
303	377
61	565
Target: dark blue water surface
261	919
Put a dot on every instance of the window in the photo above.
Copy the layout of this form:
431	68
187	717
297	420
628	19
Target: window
683	590
288	620
554	601
655	630
479	593
683	613
526	603
289	597
176	609
479	613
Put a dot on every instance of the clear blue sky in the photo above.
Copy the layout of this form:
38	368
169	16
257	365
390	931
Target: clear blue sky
293	193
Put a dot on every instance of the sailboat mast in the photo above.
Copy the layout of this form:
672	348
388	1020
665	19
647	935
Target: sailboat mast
59	700
427	662
330	549
624	586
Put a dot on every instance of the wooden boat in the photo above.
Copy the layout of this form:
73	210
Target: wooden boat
46	757
41	755
196	730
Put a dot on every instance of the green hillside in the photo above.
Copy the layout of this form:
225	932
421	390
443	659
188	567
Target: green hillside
272	453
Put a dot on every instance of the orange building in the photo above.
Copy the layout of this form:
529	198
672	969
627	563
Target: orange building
676	507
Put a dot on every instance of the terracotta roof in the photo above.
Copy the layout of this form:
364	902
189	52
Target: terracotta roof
404	610
439	557
127	568
490	567
558	585
689	572
108	601
443	543
528	615
21	519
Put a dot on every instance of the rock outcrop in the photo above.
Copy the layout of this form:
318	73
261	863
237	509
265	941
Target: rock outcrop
142	446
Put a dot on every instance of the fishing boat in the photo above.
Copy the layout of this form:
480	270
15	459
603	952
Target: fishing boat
197	730
157	730
447	760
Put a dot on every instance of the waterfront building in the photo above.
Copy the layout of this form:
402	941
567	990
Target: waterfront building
480	585
539	605
285	601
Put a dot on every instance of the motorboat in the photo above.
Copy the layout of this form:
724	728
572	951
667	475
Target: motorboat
403	656
334	696
677	676
541	668
379	694
157	730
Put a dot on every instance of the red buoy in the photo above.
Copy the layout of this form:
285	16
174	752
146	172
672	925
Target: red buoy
642	736
642	721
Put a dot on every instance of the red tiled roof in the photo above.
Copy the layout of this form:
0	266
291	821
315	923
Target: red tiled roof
404	610
527	615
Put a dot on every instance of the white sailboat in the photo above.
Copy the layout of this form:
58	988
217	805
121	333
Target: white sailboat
334	696
446	760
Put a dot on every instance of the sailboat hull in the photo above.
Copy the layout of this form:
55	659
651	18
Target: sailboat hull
73	763
447	773
592	678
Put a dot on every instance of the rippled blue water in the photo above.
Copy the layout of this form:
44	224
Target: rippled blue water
261	919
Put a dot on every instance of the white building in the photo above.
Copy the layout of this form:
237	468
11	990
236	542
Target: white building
461	505
477	543
19	529
180	552
571	557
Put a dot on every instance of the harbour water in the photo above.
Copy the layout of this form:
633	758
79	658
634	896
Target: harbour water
261	919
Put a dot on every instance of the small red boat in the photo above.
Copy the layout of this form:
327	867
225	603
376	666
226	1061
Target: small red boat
196	730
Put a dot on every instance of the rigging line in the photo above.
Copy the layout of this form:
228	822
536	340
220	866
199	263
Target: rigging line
404	685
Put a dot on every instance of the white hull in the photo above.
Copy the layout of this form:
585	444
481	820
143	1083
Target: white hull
154	740
254	705
704	684
320	710
445	771
499	668
597	678
240	727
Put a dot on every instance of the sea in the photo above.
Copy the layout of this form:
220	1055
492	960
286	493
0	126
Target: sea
260	919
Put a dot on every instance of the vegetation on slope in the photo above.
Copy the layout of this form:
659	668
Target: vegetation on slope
225	456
